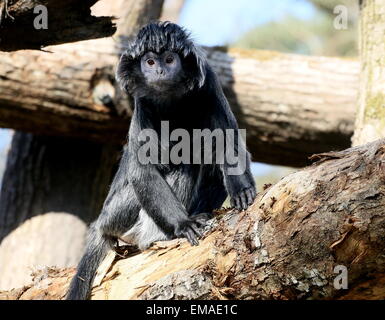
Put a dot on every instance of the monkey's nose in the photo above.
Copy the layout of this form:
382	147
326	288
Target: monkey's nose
160	71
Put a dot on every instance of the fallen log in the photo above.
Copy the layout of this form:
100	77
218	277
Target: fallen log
69	21
292	106
285	246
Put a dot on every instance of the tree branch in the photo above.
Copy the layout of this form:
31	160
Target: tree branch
285	246
292	106
69	21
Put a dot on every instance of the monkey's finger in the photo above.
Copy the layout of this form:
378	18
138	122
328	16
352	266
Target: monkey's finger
243	200
238	203
203	218
198	232
188	237
191	237
254	193
201	222
250	196
194	237
232	203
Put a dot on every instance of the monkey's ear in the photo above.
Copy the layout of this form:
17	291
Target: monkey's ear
196	61
125	71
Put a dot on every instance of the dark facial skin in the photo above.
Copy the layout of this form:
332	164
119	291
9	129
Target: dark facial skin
163	71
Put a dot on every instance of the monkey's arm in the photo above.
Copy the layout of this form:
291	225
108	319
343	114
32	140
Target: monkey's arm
155	194
235	165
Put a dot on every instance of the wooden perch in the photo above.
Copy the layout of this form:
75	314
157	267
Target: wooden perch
285	246
68	21
292	106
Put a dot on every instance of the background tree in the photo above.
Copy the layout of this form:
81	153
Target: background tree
58	185
370	123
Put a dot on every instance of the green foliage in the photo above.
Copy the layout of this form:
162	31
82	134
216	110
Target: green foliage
328	5
314	37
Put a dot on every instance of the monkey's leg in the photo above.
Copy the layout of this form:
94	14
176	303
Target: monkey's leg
211	192
160	202
182	181
144	232
119	214
238	178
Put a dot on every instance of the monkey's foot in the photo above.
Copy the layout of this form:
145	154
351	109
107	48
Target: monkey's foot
203	217
192	228
243	199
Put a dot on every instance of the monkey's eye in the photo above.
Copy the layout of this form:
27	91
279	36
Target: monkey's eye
150	62
169	59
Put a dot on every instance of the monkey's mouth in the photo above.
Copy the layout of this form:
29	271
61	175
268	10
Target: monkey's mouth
162	84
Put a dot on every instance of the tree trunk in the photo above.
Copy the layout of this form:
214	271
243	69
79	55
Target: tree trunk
292	106
171	10
370	123
295	242
54	186
67	21
52	189
135	14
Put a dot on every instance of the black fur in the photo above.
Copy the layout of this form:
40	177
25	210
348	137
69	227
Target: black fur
152	202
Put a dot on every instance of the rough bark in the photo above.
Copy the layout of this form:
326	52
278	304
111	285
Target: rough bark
69	21
292	106
370	123
54	187
285	246
136	14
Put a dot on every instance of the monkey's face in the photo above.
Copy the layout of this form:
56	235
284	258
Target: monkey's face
162	71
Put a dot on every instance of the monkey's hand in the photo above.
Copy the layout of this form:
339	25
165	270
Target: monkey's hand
244	198
191	228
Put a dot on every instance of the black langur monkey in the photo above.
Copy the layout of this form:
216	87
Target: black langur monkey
168	79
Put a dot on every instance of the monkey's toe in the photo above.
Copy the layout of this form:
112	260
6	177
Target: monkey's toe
191	237
243	199
202	218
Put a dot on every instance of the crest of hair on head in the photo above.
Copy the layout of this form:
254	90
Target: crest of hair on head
161	36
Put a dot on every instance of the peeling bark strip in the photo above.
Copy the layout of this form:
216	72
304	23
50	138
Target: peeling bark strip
285	246
292	106
68	21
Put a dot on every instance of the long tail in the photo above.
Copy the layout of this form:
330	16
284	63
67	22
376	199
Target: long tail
96	250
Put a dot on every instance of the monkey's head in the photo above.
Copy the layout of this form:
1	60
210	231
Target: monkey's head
161	59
